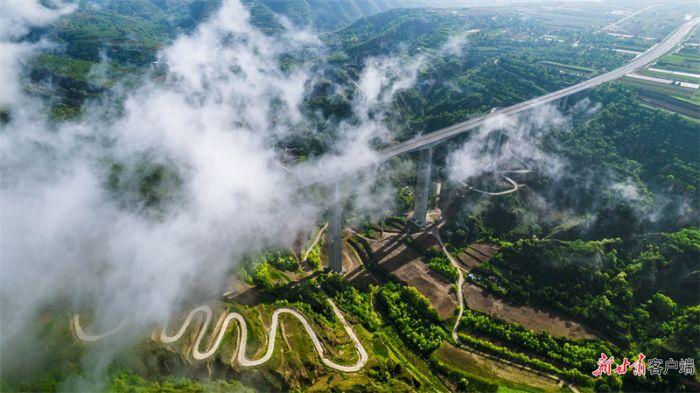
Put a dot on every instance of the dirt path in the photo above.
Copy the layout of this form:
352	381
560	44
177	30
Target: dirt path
313	244
93	337
435	232
284	336
243	337
514	187
460	283
455	328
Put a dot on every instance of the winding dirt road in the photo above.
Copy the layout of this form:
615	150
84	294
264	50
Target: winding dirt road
80	333
514	187
305	254
460	283
241	358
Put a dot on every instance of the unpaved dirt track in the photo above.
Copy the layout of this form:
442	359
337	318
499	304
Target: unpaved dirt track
243	337
455	328
460	282
305	254
514	187
93	337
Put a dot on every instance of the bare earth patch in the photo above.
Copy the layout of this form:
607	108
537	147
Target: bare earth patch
405	263
351	261
481	300
475	255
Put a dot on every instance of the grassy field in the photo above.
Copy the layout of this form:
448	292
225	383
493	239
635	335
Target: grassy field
569	67
653	107
690	50
505	376
658	21
695	98
669	97
582	17
681	62
671	90
676	77
637	46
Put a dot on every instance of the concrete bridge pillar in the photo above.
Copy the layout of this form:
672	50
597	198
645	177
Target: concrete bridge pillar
576	97
563	103
420	203
498	138
528	124
493	143
335	231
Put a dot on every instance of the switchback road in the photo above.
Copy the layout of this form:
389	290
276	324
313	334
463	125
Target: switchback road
241	357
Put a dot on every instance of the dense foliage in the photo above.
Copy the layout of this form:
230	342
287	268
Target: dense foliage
321	14
306	294
314	256
653	149
283	260
465	382
521	358
442	266
413	316
590	281
580	277
350	300
568	354
124	382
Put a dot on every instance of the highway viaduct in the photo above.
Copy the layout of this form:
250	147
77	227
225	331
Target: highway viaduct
424	143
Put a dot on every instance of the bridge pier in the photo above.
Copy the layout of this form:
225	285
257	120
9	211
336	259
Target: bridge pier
493	149
335	231
420	203
528	124
498	139
563	104
576	98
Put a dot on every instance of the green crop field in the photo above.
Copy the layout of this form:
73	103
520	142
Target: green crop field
681	62
569	67
672	90
676	77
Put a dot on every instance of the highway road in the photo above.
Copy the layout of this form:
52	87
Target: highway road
643	60
433	138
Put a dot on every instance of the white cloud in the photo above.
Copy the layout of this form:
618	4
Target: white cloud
224	97
519	142
626	190
16	18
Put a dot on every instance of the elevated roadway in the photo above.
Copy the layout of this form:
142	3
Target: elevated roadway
425	142
643	60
